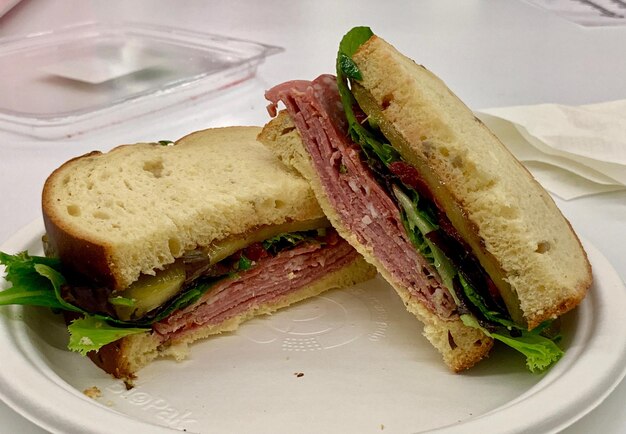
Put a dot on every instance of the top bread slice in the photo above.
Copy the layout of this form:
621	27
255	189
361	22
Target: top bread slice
511	223
135	209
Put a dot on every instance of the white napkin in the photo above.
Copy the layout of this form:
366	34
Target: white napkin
573	151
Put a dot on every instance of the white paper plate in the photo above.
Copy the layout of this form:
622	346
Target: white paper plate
366	369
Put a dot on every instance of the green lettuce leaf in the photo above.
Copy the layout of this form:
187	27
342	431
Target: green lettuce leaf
92	333
18	266
57	280
28	285
37	281
540	351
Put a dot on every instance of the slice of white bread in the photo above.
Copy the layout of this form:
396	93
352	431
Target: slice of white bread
461	347
511	223
138	207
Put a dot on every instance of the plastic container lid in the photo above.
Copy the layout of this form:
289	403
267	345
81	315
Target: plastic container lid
70	81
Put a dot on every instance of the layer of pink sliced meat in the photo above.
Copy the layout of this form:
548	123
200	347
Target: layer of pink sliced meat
364	206
271	278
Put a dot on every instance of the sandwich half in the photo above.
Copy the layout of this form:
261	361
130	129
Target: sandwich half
151	247
473	245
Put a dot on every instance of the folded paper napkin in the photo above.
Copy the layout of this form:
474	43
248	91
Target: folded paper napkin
573	151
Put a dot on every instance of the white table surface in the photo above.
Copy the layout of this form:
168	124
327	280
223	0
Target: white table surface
491	53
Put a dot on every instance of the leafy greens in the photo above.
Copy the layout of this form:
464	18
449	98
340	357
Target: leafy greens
540	351
346	68
29	287
287	240
37	281
91	333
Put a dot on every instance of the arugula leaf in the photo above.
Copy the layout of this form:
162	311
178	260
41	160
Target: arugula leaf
349	44
19	264
352	40
244	263
92	333
418	224
419	219
477	300
346	68
291	238
180	301
361	135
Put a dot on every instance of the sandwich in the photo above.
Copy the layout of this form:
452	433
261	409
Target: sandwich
474	246
152	246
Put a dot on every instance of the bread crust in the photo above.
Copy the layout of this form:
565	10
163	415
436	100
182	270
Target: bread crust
79	254
112	358
512	224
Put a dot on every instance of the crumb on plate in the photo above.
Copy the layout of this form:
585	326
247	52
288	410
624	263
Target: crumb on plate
93	392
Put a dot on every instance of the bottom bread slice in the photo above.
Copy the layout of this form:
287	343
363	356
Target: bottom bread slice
460	346
128	355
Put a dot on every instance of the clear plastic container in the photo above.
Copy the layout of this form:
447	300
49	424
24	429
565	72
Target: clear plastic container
70	81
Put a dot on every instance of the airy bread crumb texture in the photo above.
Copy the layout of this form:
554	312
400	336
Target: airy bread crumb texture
143	205
136	351
517	221
461	347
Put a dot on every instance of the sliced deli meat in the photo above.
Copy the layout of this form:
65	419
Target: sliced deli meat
363	205
263	284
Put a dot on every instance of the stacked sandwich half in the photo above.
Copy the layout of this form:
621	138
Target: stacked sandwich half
473	245
151	247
